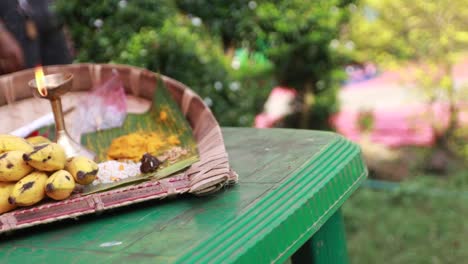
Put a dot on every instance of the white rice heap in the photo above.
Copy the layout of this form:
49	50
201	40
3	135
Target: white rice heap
114	171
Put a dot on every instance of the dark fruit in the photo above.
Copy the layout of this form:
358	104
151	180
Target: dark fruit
149	163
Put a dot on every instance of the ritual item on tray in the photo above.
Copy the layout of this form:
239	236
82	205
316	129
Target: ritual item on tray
183	151
52	87
134	145
29	172
163	132
104	108
169	138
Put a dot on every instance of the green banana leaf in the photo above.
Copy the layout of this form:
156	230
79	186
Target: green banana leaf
175	124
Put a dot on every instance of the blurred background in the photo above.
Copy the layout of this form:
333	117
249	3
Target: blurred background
390	75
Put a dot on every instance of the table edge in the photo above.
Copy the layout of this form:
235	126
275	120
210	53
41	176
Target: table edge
249	238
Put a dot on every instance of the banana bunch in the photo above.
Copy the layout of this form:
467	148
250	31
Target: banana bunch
35	168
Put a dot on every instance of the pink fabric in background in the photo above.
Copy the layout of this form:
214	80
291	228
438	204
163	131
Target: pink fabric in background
277	106
410	126
384	79
263	120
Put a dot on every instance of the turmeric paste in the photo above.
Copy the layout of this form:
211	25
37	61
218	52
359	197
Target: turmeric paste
134	145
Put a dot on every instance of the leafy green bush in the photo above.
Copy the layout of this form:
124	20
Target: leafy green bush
295	36
179	50
189	54
194	42
298	36
100	29
154	35
231	20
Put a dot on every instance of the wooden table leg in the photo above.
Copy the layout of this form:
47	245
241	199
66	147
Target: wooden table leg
328	245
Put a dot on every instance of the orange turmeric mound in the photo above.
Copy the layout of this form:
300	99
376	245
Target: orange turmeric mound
134	145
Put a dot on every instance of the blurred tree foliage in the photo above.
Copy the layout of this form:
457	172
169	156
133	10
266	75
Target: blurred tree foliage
190	54
179	50
195	41
428	36
100	29
295	35
231	20
157	36
298	36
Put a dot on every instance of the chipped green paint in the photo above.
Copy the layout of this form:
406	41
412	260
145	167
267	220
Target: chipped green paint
291	183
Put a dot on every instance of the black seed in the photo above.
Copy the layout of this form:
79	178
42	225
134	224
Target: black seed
11	200
3	155
26	186
49	157
9	165
44	160
66	176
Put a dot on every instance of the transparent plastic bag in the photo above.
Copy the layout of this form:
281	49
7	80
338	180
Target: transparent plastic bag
104	108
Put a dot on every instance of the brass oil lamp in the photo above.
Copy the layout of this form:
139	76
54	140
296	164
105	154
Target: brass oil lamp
52	87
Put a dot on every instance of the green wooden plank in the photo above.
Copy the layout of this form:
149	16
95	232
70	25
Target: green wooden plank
260	228
60	256
261	219
328	245
37	254
126	225
292	150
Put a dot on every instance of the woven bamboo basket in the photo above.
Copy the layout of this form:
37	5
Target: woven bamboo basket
211	173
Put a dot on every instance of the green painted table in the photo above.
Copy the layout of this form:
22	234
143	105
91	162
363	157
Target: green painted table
286	205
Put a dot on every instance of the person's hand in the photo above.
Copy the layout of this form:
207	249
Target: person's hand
11	55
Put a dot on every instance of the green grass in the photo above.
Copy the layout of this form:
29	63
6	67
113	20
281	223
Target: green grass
421	221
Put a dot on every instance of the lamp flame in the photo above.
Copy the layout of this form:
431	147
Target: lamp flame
40	81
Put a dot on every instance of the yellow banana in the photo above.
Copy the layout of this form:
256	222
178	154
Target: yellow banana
10	142
5	191
37	140
46	157
82	169
12	166
29	190
60	185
